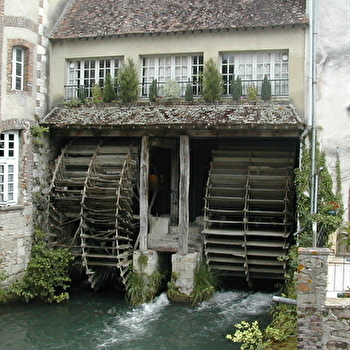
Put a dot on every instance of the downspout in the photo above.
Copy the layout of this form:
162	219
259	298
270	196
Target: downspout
312	112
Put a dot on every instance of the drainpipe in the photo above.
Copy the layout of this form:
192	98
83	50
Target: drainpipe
312	111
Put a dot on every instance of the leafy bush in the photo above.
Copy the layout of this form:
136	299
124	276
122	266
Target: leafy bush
128	82
252	93
47	275
212	82
171	90
97	95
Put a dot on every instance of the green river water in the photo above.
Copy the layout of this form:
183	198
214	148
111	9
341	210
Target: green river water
94	321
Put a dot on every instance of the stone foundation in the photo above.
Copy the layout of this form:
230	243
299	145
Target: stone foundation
183	267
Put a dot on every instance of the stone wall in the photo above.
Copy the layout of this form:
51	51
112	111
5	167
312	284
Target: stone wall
15	242
322	323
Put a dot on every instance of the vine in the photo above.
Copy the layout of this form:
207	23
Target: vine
329	204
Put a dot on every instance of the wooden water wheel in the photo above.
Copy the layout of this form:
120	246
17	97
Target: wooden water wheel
92	192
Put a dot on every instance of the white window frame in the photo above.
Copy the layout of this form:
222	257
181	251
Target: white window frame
89	71
253	66
18	69
9	151
179	68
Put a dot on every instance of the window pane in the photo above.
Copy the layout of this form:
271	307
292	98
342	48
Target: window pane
11	168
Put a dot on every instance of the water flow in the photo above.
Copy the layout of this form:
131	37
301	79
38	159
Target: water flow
104	321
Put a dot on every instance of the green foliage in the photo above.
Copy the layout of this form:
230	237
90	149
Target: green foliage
46	276
128	82
249	334
153	90
343	238
236	88
108	92
189	92
329	205
204	283
266	89
212	82
97	95
171	90
141	288
38	130
252	93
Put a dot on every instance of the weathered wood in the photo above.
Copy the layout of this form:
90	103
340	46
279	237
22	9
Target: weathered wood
184	186
144	176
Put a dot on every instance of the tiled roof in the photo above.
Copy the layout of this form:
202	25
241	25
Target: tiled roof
174	116
87	18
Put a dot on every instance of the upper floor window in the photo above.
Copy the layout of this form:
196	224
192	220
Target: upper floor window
251	67
8	167
18	60
181	69
84	74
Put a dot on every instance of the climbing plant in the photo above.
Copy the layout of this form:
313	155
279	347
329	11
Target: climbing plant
47	273
329	204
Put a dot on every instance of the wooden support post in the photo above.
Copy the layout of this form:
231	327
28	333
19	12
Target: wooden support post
174	206
144	178
184	187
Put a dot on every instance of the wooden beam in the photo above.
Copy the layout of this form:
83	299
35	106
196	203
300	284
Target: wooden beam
184	186
144	176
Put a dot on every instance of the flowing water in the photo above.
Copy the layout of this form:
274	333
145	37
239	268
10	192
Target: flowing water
104	321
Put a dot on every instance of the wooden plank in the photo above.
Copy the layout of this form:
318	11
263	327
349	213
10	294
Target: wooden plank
184	186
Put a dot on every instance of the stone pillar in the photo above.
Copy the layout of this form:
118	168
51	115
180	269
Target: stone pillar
183	267
311	289
151	261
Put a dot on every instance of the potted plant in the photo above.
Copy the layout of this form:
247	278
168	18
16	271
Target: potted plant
343	239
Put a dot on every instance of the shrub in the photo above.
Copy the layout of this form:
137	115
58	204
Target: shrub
97	95
236	88
108	90
189	92
153	90
266	89
128	82
252	93
47	274
212	82
171	90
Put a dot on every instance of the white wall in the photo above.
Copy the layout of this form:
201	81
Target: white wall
333	85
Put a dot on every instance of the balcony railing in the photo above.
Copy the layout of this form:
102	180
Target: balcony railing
279	88
338	275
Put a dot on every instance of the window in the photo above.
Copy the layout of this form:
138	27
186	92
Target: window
18	56
178	68
84	74
8	167
251	67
